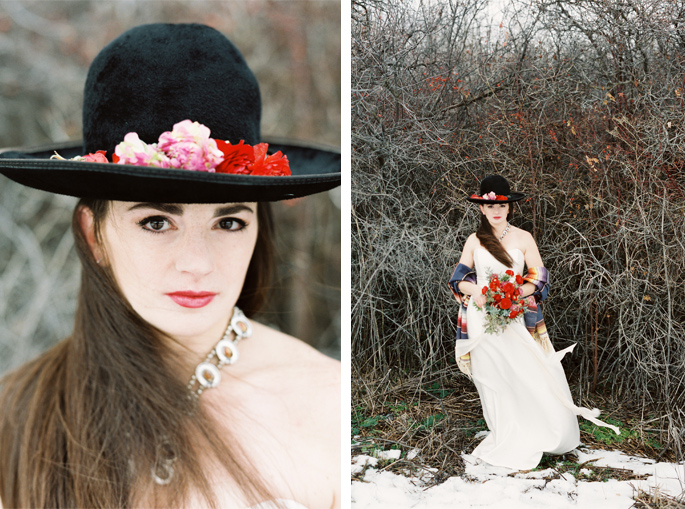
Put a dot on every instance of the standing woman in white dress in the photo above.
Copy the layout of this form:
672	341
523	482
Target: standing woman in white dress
526	400
166	394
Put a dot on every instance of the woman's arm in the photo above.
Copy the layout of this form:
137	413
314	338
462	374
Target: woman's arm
531	253
466	287
534	261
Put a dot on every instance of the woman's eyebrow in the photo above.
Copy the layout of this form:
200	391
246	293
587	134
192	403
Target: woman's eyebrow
232	209
168	208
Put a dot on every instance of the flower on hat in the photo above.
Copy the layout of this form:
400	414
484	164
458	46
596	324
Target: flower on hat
237	158
188	146
275	164
136	152
247	160
97	157
491	196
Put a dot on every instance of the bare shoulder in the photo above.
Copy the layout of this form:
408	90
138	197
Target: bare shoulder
281	345
470	246
290	364
527	244
522	237
291	394
472	242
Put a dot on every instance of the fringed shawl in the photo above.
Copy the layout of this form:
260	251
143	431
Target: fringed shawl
535	323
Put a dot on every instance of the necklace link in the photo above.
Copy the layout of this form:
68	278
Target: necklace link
207	374
504	232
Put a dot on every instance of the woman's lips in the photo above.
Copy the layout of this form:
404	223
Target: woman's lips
192	299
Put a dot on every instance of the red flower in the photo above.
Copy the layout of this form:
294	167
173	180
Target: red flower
493	285
510	272
500	197
505	303
97	157
513	314
508	287
275	165
485	290
519	280
497	297
237	158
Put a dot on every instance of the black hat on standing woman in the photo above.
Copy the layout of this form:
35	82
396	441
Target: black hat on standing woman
495	189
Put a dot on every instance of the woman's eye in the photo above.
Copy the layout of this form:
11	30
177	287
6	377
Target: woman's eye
155	224
231	224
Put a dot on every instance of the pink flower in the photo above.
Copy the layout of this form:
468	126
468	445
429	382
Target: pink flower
135	151
189	146
97	157
490	196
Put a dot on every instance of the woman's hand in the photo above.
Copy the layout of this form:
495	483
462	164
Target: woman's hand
480	300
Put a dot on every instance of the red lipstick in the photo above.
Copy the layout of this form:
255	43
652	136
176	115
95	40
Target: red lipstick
190	299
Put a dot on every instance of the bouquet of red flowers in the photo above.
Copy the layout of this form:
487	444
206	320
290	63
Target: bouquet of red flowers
503	301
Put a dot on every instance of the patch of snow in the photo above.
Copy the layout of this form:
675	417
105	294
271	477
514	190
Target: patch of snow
392	454
359	462
484	485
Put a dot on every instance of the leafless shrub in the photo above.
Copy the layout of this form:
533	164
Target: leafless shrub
45	50
580	105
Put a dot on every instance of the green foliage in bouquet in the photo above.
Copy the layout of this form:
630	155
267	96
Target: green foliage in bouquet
503	301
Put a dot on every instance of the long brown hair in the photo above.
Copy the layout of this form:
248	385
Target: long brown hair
488	240
86	423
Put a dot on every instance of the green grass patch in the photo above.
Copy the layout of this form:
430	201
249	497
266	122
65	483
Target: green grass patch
475	427
360	421
399	407
436	390
370	449
430	422
608	437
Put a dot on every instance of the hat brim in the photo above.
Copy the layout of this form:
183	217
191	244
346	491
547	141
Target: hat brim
314	169
512	197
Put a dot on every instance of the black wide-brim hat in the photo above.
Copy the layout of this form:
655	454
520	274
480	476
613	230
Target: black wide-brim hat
498	185
145	81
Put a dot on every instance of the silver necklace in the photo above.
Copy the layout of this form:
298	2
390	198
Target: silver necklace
504	232
207	376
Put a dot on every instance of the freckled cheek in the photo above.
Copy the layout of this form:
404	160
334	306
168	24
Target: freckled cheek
233	260
140	273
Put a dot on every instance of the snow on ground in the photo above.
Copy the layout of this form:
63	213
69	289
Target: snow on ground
488	486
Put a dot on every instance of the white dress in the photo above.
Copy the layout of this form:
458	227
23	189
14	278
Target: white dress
526	400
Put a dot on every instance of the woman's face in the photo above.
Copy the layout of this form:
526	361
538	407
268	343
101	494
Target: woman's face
496	213
181	267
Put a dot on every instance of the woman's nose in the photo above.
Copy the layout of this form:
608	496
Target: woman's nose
193	254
